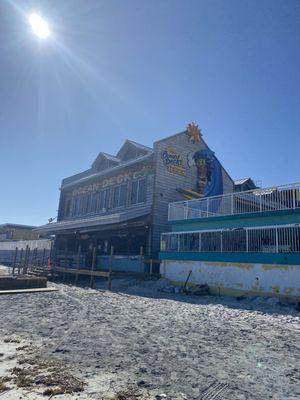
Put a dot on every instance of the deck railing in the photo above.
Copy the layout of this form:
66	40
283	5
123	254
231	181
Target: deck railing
252	201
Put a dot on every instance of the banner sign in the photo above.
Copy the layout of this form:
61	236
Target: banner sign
115	180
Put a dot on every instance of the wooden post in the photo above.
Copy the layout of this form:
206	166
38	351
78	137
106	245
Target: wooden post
27	255
36	257
141	260
151	266
51	252
15	260
110	266
20	262
43	259
93	267
78	263
65	263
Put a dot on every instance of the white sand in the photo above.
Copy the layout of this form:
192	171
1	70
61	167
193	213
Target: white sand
155	344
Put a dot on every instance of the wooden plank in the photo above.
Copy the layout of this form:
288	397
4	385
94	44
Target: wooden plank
80	271
33	290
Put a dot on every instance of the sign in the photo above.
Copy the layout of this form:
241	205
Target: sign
193	133
173	161
115	180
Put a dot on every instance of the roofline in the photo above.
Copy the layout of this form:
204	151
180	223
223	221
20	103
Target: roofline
107	171
185	131
9	225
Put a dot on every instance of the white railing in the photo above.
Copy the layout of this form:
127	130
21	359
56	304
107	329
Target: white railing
267	239
253	201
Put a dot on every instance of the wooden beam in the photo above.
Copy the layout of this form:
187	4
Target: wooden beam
33	290
80	271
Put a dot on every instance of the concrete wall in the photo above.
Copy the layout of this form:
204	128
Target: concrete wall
230	278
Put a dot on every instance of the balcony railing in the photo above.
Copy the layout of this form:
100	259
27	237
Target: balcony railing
252	201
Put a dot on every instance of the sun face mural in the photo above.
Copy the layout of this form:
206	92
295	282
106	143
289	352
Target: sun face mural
193	132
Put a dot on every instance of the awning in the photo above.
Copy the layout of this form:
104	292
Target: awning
94	221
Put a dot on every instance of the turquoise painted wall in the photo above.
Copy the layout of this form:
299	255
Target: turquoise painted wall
267	218
259	258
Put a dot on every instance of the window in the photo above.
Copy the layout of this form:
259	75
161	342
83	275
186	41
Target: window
68	208
134	191
107	196
138	191
142	191
94	201
123	193
75	202
116	195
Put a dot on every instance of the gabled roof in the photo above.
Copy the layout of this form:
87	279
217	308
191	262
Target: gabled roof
240	182
131	149
104	161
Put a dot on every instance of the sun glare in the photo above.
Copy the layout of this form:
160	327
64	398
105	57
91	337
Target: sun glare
39	26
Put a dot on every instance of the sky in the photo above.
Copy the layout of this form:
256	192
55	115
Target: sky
142	70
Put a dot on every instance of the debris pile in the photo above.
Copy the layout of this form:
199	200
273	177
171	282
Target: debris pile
47	376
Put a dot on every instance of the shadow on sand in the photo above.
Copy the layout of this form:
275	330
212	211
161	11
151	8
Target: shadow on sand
148	288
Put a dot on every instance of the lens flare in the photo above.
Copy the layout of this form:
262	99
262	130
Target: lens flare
39	26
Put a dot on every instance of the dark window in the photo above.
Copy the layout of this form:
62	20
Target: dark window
68	208
142	191
106	202
80	205
94	201
75	206
116	194
88	203
134	192
123	193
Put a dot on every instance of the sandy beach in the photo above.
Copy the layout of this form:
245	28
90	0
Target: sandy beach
140	343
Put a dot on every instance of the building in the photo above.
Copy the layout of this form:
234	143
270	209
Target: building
17	232
122	200
246	242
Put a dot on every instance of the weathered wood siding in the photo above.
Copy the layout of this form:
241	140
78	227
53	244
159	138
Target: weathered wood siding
167	182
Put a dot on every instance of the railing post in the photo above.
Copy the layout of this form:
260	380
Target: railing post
207	206
276	238
185	211
247	238
260	202
294	198
232	204
110	266
221	242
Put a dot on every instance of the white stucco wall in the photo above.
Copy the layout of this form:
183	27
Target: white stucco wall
237	278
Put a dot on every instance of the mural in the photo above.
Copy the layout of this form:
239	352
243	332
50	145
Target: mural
209	172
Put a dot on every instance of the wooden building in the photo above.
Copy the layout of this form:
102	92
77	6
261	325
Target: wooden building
122	200
17	232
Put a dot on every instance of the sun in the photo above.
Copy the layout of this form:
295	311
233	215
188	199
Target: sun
39	26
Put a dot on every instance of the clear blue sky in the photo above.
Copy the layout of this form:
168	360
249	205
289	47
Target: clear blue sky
142	70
